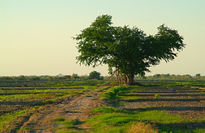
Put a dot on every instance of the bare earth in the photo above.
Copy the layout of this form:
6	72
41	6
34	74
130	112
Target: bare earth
77	107
186	102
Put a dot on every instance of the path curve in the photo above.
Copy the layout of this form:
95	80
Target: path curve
77	107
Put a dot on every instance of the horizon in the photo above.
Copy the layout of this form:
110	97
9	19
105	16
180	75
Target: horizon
60	74
36	36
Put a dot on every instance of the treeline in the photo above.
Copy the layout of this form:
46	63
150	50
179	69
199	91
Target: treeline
51	81
172	77
92	75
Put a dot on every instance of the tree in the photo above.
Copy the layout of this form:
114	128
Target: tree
94	75
127	51
198	75
75	76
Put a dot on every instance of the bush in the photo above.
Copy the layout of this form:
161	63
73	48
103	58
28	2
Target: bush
95	75
156	96
111	95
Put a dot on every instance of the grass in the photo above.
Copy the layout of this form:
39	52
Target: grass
67	126
26	94
104	119
104	110
52	83
110	119
10	117
87	95
156	96
111	94
15	100
130	97
103	89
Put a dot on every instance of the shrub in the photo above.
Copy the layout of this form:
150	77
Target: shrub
111	95
95	75
156	96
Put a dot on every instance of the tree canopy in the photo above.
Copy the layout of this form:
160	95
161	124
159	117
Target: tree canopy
95	75
127	51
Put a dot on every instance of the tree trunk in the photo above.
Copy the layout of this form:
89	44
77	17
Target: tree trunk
129	79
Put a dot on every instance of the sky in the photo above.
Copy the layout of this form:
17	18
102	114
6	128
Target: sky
36	35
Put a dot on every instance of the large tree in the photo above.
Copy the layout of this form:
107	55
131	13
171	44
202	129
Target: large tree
127	51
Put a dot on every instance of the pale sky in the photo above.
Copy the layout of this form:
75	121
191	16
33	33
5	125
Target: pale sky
36	35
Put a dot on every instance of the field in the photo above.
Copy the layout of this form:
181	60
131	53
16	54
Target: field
152	107
16	102
164	106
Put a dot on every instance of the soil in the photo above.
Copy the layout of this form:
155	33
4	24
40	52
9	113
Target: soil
77	107
186	102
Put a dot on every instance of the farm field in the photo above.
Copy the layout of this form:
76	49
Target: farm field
21	101
167	108
155	107
102	66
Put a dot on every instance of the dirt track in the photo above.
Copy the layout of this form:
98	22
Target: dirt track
186	102
77	107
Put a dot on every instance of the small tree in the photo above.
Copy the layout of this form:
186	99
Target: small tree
198	75
127	51
94	75
75	76
67	77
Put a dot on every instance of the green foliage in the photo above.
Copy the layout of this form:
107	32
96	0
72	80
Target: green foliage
40	94
58	119
75	76
56	82
67	126
172	83
150	113
110	119
156	96
104	110
28	98
111	95
95	75
10	117
87	95
126	50
102	89
169	77
72	123
198	75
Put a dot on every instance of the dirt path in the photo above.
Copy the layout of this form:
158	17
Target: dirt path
77	107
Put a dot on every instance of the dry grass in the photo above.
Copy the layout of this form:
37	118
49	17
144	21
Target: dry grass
141	128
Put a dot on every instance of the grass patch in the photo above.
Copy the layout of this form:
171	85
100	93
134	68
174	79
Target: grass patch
130	97
59	119
87	95
102	89
15	100
104	110
67	126
156	96
10	117
111	95
110	119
